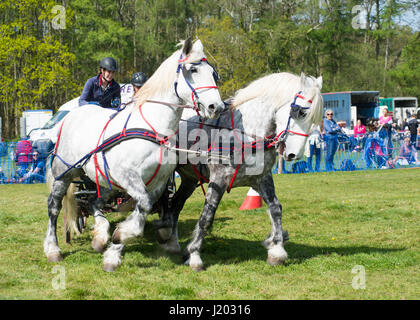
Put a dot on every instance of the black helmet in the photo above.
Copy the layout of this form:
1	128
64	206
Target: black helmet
138	79
109	63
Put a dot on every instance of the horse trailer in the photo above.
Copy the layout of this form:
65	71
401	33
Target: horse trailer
402	107
349	106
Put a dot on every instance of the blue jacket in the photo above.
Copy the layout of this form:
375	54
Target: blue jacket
331	127
41	165
93	92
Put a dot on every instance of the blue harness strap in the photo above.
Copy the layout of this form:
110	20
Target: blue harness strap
110	142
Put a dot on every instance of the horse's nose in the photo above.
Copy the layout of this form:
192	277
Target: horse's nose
212	107
291	156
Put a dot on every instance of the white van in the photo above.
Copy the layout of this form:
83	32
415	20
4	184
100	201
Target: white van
50	130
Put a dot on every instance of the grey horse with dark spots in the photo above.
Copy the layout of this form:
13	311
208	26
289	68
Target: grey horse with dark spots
272	115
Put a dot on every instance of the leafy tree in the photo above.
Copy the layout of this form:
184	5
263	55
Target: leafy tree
35	66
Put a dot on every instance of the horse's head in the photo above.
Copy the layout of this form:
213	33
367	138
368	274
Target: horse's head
196	82
294	121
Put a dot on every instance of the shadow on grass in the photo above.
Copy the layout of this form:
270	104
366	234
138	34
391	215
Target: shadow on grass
299	253
227	250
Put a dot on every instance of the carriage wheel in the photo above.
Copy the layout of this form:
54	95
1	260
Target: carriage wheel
80	224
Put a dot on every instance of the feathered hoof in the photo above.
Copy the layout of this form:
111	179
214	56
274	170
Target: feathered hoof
55	257
109	267
116	237
198	268
195	262
275	261
276	256
171	247
98	245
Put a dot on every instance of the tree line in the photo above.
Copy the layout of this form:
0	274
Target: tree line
48	49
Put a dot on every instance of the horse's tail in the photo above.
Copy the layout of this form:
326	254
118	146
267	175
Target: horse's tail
70	209
49	178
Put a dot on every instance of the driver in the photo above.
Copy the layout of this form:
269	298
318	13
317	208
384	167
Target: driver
102	89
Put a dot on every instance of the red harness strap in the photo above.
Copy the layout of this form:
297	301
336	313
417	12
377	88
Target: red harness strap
162	142
58	138
200	177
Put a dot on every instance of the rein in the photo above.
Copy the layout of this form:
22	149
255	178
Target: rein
125	134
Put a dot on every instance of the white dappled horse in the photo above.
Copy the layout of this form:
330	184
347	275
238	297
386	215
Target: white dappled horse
134	165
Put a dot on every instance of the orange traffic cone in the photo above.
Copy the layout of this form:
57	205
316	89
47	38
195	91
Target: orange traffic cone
252	200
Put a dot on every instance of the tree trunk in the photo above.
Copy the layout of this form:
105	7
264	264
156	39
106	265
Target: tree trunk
377	28
386	61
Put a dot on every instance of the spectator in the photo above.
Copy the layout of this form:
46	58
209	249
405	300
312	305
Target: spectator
37	172
359	135
418	134
23	156
314	142
3	178
413	126
331	130
408	154
386	124
344	141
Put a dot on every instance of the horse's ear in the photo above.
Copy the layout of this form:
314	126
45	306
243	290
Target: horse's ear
198	46
319	82
302	79
186	48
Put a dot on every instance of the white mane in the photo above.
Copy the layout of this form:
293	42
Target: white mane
164	77
278	89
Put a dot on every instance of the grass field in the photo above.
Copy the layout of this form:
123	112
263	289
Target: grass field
341	225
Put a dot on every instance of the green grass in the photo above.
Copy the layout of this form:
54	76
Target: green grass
336	221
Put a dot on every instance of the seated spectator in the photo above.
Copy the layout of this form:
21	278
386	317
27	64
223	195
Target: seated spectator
23	156
407	155
37	172
345	143
3	178
359	135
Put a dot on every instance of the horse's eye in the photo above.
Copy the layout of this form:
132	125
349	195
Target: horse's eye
193	70
301	114
298	113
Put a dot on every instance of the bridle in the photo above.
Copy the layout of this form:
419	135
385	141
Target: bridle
194	94
295	109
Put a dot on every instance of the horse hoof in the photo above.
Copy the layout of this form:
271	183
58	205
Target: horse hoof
195	262
163	235
98	246
172	250
197	268
116	237
275	261
55	257
108	267
276	255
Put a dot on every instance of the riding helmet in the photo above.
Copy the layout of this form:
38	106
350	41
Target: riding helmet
109	63
138	79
